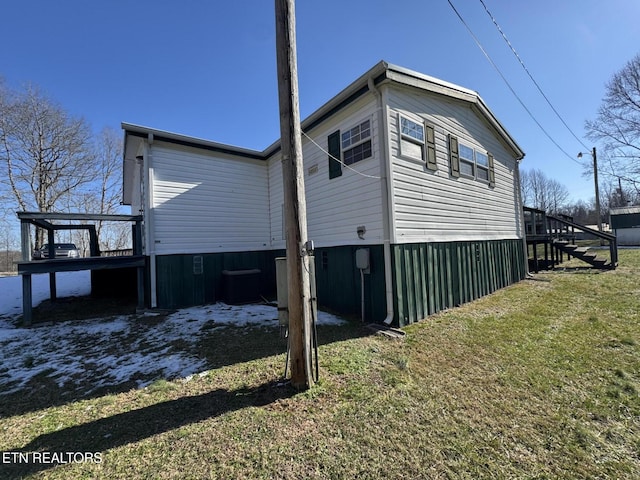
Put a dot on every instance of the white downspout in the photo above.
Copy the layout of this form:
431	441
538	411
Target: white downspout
148	210
523	230
385	184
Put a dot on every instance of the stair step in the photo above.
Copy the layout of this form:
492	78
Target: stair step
582	253
569	247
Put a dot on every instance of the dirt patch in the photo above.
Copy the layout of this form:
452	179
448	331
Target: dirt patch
81	308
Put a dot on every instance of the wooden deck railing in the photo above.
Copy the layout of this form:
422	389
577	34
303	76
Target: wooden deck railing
548	231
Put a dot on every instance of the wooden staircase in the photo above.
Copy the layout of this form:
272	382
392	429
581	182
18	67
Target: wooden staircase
583	253
554	236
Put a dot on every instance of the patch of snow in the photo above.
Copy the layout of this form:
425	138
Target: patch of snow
112	351
68	284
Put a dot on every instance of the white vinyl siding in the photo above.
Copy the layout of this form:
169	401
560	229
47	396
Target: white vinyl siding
337	206
208	202
435	206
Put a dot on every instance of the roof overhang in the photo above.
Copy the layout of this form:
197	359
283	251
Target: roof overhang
385	73
381	73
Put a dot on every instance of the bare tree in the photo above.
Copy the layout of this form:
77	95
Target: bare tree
617	125
542	192
104	194
526	192
557	195
44	151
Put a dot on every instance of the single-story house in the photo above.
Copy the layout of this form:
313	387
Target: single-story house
625	223
414	169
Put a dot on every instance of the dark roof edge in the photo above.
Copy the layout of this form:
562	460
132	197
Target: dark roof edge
380	72
160	135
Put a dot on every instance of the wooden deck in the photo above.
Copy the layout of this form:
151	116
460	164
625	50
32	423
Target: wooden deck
28	267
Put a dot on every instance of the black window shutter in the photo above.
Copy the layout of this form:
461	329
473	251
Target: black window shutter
431	148
454	159
492	172
333	142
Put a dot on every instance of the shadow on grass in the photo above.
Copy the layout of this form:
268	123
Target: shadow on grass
229	345
220	345
135	425
80	308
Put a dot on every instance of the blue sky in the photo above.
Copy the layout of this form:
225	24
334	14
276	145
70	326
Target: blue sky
208	68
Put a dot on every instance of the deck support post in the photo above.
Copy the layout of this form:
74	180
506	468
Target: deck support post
53	291
26	300
140	284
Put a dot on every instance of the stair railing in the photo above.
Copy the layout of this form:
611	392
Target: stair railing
561	223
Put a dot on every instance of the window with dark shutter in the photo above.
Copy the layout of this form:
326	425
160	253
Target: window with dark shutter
454	159
492	172
333	143
431	148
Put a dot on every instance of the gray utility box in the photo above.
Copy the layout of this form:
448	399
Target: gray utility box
241	286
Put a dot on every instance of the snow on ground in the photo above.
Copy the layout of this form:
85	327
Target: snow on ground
68	284
110	350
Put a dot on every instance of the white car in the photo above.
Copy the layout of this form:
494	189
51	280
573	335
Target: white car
62	250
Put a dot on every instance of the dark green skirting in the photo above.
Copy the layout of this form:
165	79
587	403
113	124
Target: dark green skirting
338	284
188	280
430	277
427	277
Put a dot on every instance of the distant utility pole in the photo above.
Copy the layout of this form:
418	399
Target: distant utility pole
595	181
295	206
597	187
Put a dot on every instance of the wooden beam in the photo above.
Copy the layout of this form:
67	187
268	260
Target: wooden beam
77	216
25	241
140	284
27	311
77	264
53	290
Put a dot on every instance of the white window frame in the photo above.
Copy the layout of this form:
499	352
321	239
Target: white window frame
465	160
482	167
353	144
410	138
473	162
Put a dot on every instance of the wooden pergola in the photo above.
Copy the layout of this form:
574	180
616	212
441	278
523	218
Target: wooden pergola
28	267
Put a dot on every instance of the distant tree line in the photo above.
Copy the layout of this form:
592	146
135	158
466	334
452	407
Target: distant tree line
544	193
51	161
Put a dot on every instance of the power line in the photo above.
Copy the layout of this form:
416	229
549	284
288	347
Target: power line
495	22
488	57
340	161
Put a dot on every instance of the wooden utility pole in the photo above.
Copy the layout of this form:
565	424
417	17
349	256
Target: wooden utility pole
295	207
595	180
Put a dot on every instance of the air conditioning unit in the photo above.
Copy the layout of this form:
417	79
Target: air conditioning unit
241	286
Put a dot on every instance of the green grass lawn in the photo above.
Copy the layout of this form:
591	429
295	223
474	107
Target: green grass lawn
539	380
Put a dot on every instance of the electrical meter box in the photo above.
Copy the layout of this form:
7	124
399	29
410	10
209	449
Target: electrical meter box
362	260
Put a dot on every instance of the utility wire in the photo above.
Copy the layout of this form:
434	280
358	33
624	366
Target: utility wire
504	36
509	85
340	161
